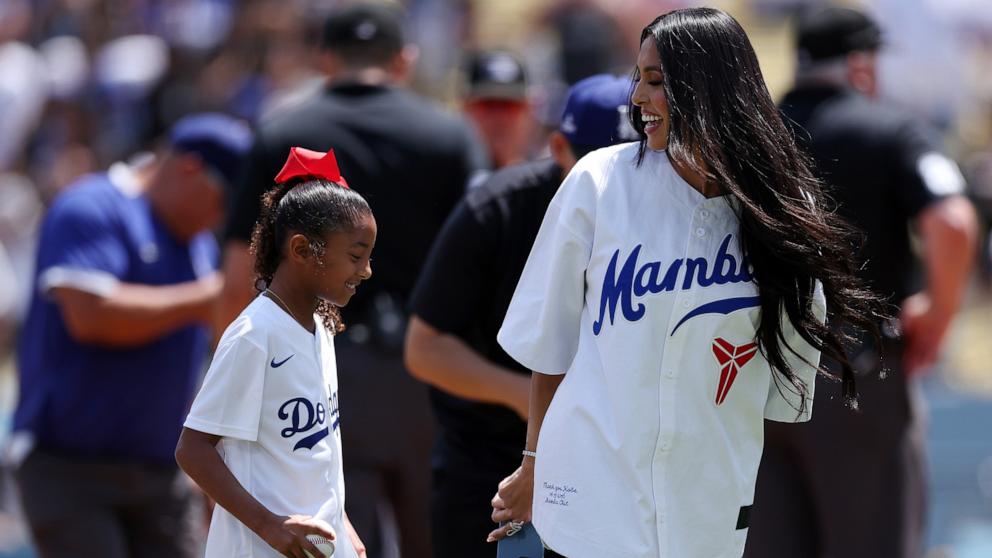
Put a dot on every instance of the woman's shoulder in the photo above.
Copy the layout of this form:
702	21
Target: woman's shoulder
620	165
605	158
594	171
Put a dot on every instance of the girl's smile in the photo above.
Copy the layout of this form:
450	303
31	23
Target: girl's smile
347	262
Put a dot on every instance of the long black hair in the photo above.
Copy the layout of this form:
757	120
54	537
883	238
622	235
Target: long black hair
313	208
724	126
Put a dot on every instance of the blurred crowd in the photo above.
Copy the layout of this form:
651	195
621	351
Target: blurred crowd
86	83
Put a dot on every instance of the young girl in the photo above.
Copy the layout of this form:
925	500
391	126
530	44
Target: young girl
262	438
674	299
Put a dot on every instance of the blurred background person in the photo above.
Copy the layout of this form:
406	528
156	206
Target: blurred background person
21	210
411	161
495	101
8	301
588	37
480	394
80	94
114	344
573	39
889	176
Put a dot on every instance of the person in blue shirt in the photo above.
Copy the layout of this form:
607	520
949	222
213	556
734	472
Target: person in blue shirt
113	346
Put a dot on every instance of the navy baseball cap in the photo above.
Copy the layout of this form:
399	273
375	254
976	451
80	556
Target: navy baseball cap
220	141
831	32
596	113
495	74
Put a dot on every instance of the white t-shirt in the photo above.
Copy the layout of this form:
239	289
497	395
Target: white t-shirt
272	393
636	290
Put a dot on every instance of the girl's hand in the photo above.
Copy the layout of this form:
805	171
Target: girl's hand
514	499
356	541
288	535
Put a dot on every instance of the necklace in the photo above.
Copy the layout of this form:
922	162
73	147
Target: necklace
282	303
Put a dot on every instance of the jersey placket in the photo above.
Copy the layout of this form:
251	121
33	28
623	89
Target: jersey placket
682	301
697	236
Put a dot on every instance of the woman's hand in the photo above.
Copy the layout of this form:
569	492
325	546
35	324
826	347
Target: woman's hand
514	499
288	535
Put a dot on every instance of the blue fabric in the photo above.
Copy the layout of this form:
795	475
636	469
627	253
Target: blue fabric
220	141
109	403
595	113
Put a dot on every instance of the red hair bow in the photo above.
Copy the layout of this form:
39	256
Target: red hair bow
306	163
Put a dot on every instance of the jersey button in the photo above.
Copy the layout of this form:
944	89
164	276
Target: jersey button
687	302
670	373
703	214
700	232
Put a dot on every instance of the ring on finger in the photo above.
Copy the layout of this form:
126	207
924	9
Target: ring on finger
515	527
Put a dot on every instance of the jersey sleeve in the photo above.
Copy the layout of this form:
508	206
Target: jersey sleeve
542	323
457	273
784	401
82	247
229	402
923	173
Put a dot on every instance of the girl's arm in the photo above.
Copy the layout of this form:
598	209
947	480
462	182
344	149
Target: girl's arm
515	497
197	455
356	541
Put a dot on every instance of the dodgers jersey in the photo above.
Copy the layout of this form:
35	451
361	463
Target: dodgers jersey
637	290
272	394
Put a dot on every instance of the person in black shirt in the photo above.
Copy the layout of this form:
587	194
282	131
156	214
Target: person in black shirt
411	161
849	483
495	102
479	393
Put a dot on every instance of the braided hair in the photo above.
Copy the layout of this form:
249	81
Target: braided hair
312	207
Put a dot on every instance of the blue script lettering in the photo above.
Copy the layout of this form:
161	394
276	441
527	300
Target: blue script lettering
619	289
725	268
633	282
335	413
303	416
691	267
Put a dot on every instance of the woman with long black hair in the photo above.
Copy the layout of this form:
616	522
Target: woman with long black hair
674	299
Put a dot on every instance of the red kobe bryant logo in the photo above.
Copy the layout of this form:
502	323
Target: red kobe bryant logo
731	358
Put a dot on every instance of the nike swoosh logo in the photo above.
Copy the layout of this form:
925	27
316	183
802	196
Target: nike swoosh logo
281	362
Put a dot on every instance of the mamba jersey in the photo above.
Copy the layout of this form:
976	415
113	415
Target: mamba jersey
636	289
272	394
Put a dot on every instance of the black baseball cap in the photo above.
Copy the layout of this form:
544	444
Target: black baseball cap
495	74
825	33
365	25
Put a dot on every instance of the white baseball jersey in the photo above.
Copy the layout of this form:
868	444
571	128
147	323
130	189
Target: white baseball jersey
271	392
637	290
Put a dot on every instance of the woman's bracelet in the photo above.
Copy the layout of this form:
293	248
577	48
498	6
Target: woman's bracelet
528	453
